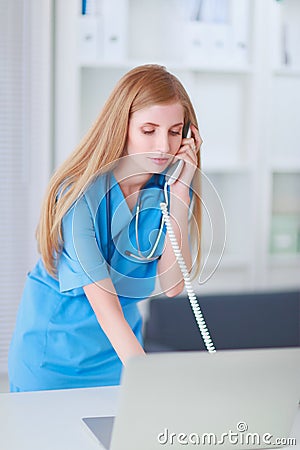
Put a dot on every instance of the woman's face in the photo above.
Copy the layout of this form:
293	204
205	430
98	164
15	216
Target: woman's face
155	135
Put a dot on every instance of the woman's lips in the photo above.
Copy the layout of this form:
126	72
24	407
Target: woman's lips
159	161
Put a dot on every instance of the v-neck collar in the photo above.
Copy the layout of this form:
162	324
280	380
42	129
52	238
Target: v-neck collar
121	215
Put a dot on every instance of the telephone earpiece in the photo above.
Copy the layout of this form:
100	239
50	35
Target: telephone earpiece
186	132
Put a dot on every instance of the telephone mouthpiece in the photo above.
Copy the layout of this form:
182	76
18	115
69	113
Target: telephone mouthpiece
173	173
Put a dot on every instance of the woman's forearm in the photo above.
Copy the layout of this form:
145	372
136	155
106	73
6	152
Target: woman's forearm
121	336
108	311
170	276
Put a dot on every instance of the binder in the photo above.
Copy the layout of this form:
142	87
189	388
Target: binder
103	30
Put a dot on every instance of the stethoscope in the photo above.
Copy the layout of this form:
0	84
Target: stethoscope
139	256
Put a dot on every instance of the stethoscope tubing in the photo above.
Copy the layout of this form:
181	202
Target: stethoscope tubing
139	256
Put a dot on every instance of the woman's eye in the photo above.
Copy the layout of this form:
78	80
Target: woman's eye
172	132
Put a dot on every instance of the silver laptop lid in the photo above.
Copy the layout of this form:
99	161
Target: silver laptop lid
231	399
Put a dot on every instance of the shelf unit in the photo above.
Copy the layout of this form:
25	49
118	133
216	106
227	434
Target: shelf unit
247	99
282	223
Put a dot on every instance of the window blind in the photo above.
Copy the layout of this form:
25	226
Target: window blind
25	146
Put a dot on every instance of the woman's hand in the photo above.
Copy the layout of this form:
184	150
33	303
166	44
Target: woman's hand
188	153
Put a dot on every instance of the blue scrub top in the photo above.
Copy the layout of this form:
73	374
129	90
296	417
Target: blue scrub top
58	342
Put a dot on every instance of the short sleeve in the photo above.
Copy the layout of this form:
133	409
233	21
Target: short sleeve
81	261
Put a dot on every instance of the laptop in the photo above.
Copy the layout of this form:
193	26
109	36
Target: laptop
231	399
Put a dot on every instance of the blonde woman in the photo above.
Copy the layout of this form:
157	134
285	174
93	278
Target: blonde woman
102	240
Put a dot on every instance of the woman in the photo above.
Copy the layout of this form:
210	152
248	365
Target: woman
78	321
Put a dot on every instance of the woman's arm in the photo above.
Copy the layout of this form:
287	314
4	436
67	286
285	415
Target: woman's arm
170	276
106	305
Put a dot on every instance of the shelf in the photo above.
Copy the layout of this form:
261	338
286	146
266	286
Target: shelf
289	259
229	262
286	72
126	64
171	65
287	165
226	169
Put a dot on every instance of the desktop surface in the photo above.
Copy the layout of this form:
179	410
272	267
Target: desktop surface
47	420
52	419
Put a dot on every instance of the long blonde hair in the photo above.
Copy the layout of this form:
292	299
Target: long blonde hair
103	144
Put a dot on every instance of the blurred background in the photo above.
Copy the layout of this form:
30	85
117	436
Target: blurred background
240	62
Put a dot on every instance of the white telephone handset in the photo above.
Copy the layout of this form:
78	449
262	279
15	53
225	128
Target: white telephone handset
175	170
171	176
173	173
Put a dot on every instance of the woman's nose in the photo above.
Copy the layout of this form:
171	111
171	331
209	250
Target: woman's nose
163	144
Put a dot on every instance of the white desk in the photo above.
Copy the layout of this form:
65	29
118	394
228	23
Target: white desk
51	420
